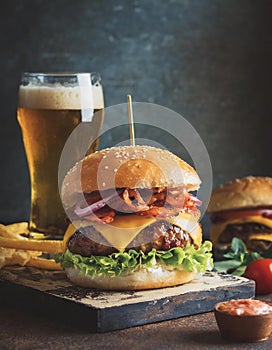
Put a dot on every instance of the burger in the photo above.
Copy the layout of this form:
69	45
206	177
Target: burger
134	223
242	208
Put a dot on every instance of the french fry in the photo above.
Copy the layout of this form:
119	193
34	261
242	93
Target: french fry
9	256
45	246
9	232
37	235
41	263
18	227
16	249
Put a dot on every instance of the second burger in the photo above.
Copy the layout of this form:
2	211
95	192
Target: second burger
242	208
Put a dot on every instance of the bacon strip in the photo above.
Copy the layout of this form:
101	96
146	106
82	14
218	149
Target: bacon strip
156	202
133	201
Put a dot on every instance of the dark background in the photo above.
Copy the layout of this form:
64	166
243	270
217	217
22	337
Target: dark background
209	60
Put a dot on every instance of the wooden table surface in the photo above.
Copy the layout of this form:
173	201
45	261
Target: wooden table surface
22	328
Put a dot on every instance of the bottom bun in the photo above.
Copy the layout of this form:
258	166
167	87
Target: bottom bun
141	279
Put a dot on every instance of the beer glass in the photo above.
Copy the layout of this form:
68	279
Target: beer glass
50	107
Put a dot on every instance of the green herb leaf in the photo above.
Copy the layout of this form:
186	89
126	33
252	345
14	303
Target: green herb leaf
226	265
240	270
237	259
268	253
238	246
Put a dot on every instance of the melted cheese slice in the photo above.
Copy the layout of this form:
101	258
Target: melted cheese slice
217	229
262	236
124	229
68	234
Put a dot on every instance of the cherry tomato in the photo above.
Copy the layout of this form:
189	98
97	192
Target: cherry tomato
260	271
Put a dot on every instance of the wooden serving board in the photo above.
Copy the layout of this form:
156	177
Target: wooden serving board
102	311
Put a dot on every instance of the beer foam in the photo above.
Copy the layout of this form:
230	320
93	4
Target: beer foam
60	97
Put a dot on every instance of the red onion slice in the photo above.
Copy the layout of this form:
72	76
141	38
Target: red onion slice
197	201
90	209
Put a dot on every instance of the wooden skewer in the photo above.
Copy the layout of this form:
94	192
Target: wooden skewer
131	121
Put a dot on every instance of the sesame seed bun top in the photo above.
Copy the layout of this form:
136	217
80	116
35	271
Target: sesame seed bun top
128	167
247	192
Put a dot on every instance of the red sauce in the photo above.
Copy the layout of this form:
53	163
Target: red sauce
245	307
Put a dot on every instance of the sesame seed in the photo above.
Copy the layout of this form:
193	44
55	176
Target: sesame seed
115	170
106	167
103	184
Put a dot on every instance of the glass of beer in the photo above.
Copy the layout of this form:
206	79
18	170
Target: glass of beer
50	107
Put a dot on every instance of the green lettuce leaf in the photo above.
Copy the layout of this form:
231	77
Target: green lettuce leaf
188	259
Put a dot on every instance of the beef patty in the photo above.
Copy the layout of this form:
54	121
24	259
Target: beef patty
161	235
243	231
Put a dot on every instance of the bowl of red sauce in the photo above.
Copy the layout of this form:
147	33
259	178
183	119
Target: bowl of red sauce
245	320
